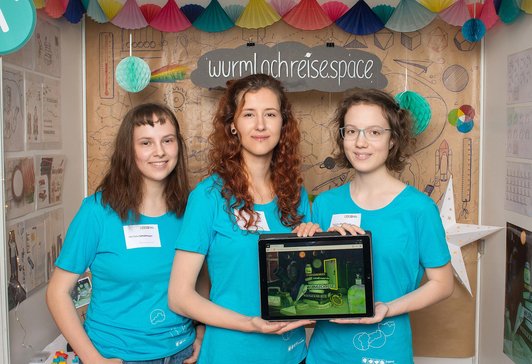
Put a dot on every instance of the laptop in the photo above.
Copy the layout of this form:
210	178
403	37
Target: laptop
321	277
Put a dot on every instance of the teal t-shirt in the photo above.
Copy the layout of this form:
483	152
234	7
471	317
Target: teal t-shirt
232	258
128	316
407	237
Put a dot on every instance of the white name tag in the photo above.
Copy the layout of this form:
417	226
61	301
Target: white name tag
142	236
262	223
339	219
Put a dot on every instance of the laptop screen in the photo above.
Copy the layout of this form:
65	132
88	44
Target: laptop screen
321	277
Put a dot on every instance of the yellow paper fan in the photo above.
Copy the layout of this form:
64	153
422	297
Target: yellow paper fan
526	6
39	4
110	7
257	14
436	5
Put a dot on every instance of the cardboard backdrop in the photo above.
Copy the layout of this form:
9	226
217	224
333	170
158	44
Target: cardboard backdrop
436	62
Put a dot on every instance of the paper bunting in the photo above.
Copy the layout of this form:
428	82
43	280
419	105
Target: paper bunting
334	9
457	14
234	11
409	16
130	16
282	6
419	109
307	15
150	11
55	8
475	9
110	7
257	14
192	11
95	12
459	235
489	15
509	10
133	74
360	20
170	19
526	6
84	2
436	5
213	19
74	11
384	12
473	30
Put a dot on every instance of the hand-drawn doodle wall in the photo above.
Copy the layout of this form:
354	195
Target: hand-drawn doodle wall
436	62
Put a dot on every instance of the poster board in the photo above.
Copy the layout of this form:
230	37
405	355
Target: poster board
436	62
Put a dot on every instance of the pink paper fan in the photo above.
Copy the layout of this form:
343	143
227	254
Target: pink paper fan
55	8
307	15
170	19
456	14
282	6
475	9
489	15
150	11
334	9
130	17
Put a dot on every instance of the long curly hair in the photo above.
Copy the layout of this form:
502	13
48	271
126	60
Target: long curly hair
225	157
122	185
399	119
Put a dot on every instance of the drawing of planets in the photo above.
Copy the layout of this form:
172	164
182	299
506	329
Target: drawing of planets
455	78
462	118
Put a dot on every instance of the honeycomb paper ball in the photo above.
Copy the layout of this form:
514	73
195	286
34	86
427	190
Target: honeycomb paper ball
419	109
473	30
133	74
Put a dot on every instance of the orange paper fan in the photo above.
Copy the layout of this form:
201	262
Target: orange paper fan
170	19
307	15
257	14
55	8
150	11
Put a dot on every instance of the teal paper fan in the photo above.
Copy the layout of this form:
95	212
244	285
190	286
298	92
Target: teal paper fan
409	16
509	10
384	12
419	109
95	12
234	11
133	74
213	19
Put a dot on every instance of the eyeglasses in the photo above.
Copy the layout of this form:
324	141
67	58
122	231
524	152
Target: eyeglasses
372	133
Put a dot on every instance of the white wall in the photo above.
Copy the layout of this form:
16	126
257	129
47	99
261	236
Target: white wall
31	327
500	42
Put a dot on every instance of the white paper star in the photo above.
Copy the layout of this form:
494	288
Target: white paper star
458	235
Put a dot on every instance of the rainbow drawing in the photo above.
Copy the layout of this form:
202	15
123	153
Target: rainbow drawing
170	73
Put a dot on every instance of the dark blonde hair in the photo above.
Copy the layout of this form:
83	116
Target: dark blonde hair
122	185
399	119
225	158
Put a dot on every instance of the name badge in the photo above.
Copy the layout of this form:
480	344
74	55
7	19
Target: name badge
262	223
339	219
142	236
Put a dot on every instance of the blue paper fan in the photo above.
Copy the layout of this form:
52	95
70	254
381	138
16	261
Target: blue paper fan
384	12
95	12
419	109
409	16
473	30
192	11
509	10
213	19
360	20
74	11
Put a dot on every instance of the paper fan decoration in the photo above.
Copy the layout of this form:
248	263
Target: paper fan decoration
334	9
509	11
192	11
307	15
170	19
84	2
489	15
257	14
130	17
475	9
360	20
110	7
213	19
409	16
384	12
282	6
95	12
234	11
436	5
457	14
150	11
55	8
170	73
74	11
133	74
526	6
419	109
39	4
473	30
